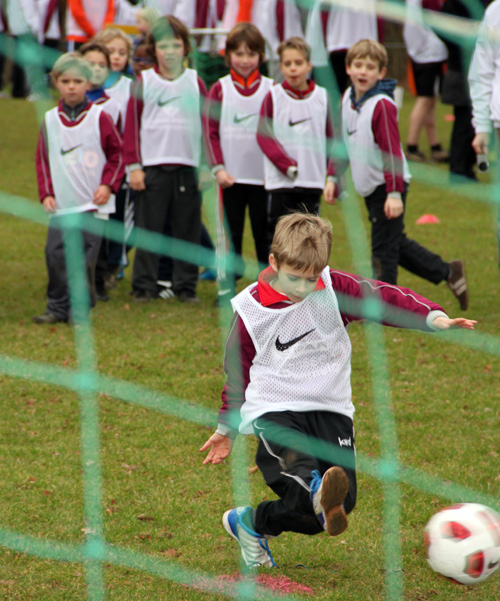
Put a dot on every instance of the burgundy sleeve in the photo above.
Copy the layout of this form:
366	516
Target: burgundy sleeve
432	5
132	130
211	122
386	134
43	176
330	127
399	307
111	142
267	141
239	356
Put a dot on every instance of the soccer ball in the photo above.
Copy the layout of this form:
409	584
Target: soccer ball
463	542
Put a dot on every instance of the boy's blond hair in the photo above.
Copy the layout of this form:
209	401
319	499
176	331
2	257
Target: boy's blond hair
368	49
149	14
108	34
295	43
71	61
303	241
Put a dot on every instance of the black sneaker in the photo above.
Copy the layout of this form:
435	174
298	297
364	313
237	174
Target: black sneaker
188	297
49	318
101	294
142	296
457	283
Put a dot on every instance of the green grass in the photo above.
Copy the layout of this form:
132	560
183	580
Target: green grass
157	498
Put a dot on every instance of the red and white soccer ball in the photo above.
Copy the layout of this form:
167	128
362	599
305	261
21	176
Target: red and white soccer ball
463	542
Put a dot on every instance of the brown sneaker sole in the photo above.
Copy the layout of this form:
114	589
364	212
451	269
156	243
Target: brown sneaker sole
333	492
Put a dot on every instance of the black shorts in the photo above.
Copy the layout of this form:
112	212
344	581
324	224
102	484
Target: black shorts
427	78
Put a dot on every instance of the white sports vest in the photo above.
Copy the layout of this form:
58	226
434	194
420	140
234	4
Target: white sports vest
171	122
76	160
365	156
300	127
303	356
243	159
422	44
345	27
120	93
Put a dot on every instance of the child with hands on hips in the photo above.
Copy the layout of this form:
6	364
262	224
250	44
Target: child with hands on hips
288	366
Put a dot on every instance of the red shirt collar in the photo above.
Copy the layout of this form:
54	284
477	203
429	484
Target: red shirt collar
249	81
297	93
267	294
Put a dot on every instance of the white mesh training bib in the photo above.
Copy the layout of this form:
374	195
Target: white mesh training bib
300	127
243	159
303	356
171	121
76	161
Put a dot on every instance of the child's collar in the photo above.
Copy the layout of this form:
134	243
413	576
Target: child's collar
299	93
157	70
383	86
249	81
268	295
112	78
96	94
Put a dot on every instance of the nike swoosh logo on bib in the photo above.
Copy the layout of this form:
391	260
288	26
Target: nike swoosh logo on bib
167	101
63	152
349	133
244	118
293	123
283	346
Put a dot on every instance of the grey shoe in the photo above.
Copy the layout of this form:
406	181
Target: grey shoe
457	283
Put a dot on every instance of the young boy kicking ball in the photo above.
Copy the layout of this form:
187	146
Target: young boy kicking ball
288	365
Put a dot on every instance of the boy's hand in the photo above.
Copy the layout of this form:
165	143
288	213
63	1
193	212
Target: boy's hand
445	323
137	178
481	142
220	446
329	193
224	180
393	207
205	181
102	194
49	204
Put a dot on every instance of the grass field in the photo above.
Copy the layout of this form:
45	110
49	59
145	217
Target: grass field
161	509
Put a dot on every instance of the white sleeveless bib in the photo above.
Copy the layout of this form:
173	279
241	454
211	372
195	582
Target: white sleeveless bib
243	158
171	122
303	356
300	127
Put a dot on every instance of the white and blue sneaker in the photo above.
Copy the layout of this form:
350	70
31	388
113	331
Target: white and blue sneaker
327	496
254	547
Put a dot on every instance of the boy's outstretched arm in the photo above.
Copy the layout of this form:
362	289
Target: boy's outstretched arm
220	447
445	323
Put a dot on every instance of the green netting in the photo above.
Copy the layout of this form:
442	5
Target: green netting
87	382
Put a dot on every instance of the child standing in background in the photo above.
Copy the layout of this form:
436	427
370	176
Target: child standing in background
230	124
119	46
162	151
295	131
79	164
380	173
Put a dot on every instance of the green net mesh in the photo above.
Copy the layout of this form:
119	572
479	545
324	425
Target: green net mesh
88	383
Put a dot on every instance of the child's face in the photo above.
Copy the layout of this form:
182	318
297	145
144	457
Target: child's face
295	68
142	25
243	60
296	284
364	74
118	54
170	55
99	67
141	60
72	86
